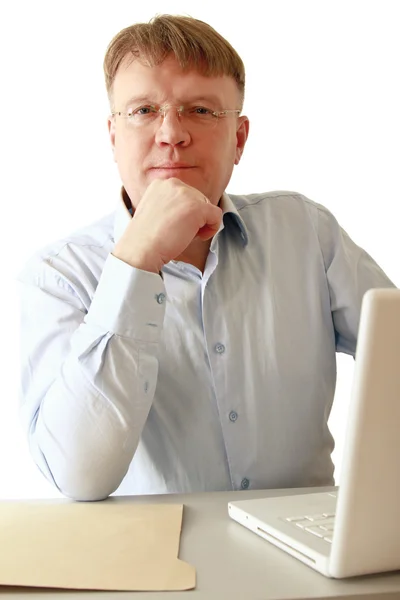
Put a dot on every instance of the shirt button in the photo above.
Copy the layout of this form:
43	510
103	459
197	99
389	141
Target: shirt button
160	298
219	348
233	416
245	483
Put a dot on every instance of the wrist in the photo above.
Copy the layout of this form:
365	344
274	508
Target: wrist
142	260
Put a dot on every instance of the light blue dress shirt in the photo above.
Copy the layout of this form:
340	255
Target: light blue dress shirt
192	382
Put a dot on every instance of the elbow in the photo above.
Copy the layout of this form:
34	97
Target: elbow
86	495
77	474
81	484
82	487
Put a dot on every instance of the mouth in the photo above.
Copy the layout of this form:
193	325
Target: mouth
171	168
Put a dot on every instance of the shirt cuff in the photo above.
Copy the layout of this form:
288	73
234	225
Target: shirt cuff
128	302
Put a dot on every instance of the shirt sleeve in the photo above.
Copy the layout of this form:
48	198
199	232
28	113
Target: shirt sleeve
88	377
350	272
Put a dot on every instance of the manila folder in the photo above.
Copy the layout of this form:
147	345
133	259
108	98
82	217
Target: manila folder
110	545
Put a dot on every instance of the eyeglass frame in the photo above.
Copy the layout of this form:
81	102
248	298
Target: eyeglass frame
180	109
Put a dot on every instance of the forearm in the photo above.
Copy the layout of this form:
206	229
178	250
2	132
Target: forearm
90	421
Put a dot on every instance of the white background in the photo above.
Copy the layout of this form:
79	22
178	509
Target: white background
323	100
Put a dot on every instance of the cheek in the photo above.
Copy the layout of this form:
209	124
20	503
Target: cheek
223	151
123	147
128	154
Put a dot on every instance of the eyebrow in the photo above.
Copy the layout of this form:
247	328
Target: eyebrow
137	100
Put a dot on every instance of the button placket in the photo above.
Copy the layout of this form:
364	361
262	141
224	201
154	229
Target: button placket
218	355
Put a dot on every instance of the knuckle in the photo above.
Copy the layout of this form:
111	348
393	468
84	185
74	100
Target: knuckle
174	181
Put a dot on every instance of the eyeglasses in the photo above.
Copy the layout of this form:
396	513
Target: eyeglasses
193	116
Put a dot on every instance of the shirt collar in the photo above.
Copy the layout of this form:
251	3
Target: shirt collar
229	213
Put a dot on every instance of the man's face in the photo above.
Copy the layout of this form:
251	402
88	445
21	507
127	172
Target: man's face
210	152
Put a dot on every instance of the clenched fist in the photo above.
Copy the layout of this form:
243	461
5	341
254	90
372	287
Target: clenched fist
169	216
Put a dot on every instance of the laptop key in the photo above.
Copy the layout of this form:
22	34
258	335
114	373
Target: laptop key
315	531
325	523
303	524
327	527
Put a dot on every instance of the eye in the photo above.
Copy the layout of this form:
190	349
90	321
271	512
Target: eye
202	114
201	110
142	111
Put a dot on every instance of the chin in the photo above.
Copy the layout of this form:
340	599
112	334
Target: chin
188	176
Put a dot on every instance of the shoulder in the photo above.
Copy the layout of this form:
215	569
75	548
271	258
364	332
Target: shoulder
74	257
287	206
279	200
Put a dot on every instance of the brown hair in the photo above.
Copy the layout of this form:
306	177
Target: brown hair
194	43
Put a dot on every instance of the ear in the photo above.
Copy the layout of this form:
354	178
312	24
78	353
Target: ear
111	132
242	133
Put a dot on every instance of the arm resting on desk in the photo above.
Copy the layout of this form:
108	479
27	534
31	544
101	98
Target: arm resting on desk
88	373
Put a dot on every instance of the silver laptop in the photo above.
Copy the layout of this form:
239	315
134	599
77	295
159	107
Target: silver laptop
357	530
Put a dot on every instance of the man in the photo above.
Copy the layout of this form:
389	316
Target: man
187	342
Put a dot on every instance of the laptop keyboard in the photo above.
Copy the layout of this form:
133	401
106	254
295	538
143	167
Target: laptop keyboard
320	525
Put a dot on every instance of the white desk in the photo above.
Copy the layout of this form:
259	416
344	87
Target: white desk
234	563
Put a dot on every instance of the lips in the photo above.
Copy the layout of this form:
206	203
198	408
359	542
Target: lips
173	166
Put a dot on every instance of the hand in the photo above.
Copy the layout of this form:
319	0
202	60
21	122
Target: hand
169	216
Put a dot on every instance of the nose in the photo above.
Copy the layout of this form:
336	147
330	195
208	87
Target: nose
171	130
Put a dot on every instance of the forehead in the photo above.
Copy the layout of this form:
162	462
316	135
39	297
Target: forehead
168	81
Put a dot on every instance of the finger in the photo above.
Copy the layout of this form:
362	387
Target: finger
212	221
206	232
